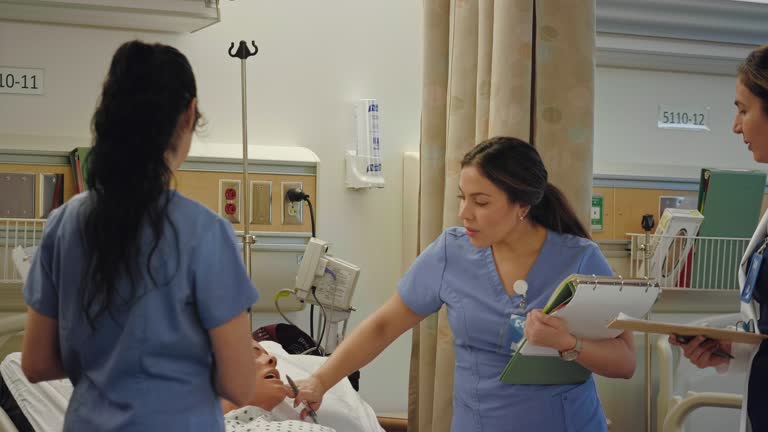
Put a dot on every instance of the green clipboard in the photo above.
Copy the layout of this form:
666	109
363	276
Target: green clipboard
543	370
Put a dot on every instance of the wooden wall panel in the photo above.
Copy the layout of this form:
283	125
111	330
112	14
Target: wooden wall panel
201	186
628	205
632	204
204	187
69	186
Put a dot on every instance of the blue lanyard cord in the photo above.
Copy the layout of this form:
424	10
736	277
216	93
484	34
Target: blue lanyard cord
763	246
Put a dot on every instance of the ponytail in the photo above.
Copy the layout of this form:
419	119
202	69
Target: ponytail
555	213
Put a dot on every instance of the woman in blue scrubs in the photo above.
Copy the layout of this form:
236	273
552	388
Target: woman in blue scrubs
517	227
137	294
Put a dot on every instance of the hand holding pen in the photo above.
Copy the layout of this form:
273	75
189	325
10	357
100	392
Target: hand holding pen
308	407
701	351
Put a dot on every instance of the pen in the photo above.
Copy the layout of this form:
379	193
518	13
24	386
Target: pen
311	412
718	352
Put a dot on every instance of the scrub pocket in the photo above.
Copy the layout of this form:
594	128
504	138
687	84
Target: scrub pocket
582	411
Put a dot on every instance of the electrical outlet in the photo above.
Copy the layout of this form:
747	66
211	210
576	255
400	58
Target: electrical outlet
292	211
229	200
261	202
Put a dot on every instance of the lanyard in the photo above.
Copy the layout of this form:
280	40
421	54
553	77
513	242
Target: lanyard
754	270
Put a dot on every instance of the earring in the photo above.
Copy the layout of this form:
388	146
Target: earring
522	216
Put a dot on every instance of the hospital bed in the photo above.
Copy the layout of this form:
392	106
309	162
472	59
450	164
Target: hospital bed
684	389
44	404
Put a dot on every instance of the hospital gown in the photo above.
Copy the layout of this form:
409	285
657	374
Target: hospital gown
254	419
453	272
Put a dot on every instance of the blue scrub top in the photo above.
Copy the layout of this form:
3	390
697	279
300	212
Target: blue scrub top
148	367
453	272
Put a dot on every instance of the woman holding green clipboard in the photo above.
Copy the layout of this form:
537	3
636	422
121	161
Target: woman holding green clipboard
519	234
751	123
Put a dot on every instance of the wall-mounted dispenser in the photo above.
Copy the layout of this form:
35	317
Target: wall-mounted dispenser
363	159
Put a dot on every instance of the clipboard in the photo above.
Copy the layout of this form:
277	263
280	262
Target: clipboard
588	304
626	322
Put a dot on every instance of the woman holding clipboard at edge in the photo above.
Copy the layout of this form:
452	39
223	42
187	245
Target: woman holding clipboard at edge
751	123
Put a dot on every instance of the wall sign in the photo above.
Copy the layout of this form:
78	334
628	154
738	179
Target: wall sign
597	213
22	81
693	118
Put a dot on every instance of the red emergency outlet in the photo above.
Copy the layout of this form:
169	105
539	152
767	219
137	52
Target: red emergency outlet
230	209
230	194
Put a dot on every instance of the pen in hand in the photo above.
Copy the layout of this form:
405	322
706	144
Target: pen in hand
717	353
311	412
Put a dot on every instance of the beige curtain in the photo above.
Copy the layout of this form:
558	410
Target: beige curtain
488	65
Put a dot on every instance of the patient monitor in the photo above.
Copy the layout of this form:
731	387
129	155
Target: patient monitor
333	279
328	282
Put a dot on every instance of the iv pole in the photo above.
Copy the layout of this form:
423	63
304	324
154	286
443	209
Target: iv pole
243	52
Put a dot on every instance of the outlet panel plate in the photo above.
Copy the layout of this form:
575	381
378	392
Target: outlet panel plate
230	200
292	211
261	203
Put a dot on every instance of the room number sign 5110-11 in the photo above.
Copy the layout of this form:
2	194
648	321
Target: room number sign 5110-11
21	81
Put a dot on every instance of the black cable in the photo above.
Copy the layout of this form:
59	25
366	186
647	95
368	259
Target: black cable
312	321
322	329
312	219
311	215
296	195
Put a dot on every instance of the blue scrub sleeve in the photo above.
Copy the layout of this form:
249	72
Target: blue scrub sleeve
420	286
594	263
221	285
40	292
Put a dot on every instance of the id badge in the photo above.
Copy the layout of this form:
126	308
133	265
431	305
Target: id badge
754	270
513	330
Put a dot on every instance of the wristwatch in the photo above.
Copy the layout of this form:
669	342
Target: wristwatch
573	353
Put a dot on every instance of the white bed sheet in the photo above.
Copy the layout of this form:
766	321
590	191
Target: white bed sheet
44	404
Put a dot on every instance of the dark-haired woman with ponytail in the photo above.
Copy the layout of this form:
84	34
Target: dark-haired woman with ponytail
137	294
518	231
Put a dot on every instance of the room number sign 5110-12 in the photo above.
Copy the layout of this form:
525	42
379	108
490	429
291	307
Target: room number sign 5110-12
683	117
21	81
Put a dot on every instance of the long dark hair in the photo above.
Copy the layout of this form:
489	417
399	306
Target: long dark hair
753	74
147	90
515	167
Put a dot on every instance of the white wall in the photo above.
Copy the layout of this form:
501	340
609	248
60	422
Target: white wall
628	142
315	59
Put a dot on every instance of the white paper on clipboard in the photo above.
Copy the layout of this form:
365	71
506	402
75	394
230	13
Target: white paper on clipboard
593	307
